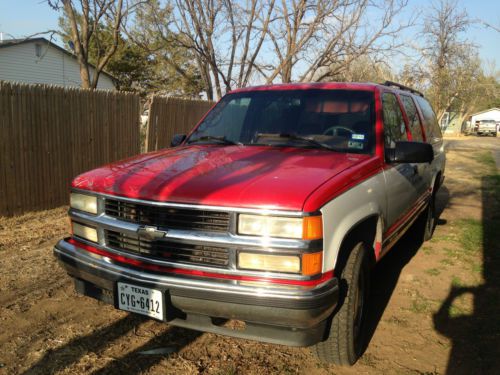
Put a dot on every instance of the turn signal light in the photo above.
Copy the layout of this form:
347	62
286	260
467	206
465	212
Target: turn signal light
312	228
312	263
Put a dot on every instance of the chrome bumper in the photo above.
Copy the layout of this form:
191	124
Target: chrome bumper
291	315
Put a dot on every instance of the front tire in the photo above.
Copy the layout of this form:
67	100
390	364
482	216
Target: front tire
345	342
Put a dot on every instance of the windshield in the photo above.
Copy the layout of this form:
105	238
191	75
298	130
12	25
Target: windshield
341	120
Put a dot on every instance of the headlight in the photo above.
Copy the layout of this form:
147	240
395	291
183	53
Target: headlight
266	262
84	231
308	228
83	202
307	264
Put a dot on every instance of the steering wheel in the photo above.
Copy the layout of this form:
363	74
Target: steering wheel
334	130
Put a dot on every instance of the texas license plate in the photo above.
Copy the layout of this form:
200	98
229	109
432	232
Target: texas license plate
140	300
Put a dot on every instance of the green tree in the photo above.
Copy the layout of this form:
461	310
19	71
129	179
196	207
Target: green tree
138	67
448	69
94	28
129	65
175	68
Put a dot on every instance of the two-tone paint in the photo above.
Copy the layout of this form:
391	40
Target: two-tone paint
347	189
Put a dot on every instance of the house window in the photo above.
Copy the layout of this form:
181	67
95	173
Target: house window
38	50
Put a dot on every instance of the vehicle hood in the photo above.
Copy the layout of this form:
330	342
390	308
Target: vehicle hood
261	177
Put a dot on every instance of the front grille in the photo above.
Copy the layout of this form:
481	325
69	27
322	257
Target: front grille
167	250
168	217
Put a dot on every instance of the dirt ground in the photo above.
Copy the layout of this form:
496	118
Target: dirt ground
434	307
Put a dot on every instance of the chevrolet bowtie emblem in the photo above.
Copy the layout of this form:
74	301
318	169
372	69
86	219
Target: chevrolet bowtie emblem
151	233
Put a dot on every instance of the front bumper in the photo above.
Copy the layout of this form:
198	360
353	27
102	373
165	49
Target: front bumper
290	315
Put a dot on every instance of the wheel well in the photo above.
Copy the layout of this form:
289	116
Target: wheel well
368	231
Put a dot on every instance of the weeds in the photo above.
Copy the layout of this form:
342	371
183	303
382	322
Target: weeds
420	304
433	271
398	321
486	159
477	268
471	235
457	282
456	311
230	370
447	262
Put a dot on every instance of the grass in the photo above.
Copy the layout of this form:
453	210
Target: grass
230	370
477	268
433	271
426	249
456	311
368	359
485	158
398	321
471	235
447	262
457	282
444	237
420	304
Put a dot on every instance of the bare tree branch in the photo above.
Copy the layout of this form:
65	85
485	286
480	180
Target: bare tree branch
85	18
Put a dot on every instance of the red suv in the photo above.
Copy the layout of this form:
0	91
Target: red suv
271	211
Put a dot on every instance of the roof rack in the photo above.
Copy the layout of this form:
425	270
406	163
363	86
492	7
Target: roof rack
403	87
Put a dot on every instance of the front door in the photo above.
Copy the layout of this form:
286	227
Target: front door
402	179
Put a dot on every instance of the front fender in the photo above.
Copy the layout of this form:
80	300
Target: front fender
344	212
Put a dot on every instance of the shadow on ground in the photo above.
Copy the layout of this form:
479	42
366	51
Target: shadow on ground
476	337
174	339
386	274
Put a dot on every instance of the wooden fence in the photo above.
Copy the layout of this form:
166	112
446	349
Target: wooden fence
169	116
48	135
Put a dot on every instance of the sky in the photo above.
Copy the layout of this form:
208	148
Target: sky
26	17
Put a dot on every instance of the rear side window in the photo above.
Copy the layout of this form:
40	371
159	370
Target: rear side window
431	126
413	119
394	125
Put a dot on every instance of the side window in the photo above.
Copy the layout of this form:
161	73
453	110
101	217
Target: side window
394	125
431	125
413	119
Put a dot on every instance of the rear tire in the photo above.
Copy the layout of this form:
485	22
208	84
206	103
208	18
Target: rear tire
429	219
345	342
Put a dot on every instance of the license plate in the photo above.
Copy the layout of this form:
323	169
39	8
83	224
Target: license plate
140	300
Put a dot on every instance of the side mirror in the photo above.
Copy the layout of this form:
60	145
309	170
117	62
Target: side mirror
411	152
177	140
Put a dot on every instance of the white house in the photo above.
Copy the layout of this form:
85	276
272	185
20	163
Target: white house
489	114
38	60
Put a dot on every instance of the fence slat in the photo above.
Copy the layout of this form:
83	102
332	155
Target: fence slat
169	116
50	134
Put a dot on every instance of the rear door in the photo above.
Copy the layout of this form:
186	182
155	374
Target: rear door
433	135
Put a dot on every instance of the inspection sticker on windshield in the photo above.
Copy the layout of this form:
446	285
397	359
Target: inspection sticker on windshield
358	137
356	145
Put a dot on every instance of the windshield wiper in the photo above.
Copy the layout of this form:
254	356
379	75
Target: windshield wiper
217	138
295	137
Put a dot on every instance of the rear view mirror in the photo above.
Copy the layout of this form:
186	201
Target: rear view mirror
177	140
411	152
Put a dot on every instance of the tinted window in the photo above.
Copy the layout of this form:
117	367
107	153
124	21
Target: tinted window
341	119
394	125
431	125
228	122
413	119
